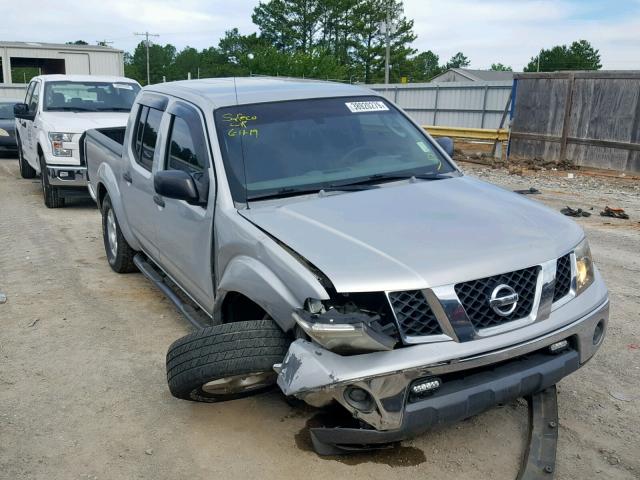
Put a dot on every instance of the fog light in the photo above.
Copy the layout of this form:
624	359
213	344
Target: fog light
558	346
426	386
359	399
598	332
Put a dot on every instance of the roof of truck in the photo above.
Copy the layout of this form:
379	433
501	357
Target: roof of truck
85	78
224	92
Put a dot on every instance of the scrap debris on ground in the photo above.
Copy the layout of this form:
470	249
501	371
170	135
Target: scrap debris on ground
574	212
615	213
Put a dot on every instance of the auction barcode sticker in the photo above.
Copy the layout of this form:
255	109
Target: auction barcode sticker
357	107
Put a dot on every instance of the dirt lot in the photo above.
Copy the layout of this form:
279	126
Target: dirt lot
83	393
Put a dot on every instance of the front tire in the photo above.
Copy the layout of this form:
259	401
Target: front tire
225	362
119	253
51	195
26	170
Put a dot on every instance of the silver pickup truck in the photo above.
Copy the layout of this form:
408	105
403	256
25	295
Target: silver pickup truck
319	239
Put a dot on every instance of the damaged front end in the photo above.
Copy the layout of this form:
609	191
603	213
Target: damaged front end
393	391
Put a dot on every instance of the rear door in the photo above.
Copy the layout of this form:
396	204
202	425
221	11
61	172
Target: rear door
185	231
137	177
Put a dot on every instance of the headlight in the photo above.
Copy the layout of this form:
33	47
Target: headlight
56	143
340	332
4	133
584	266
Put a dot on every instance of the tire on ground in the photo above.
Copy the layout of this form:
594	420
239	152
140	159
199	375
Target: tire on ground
26	170
245	351
122	260
52	197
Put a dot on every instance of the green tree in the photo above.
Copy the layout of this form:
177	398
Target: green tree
424	66
580	55
498	67
161	59
291	25
459	60
78	42
349	30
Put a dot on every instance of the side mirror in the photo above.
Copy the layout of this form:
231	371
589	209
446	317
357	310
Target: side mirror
21	110
176	184
447	145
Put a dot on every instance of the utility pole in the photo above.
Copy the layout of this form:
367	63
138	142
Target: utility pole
387	59
146	43
539	60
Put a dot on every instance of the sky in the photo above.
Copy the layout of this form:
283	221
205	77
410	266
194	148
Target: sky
486	31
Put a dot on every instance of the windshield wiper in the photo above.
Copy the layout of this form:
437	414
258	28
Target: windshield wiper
71	109
381	177
291	191
114	109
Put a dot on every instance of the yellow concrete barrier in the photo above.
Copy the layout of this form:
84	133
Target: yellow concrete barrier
501	134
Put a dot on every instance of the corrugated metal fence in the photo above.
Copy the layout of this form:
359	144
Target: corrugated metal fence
14	91
586	118
452	104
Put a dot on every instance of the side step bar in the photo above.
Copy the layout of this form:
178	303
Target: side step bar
185	309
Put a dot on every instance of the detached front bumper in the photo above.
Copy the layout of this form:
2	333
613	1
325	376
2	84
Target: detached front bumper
67	175
470	384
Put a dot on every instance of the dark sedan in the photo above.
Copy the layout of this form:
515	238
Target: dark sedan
7	127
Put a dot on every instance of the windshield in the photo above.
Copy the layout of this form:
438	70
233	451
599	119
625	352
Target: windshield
89	96
291	146
6	110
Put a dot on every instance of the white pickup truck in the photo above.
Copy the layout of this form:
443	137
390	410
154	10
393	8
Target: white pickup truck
50	125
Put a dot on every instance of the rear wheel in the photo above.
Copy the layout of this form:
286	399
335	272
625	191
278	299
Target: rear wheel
119	253
51	195
26	170
227	361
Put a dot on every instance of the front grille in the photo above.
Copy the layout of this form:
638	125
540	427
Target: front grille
563	277
415	318
475	295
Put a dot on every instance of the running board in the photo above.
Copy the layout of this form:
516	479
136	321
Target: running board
185	309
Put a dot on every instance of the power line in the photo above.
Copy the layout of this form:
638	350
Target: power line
146	43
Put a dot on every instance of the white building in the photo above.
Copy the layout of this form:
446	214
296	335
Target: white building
55	58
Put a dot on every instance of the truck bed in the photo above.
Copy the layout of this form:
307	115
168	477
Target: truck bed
102	145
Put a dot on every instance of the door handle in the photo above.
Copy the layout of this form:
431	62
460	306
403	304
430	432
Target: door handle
127	177
159	201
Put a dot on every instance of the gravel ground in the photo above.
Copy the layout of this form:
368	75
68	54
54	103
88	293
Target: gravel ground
83	392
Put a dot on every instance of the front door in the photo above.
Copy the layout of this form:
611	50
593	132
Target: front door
24	126
184	231
137	178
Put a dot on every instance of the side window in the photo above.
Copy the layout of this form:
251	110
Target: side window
182	153
139	128
33	101
149	137
27	97
146	135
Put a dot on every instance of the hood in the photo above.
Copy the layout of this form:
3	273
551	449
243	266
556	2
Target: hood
79	122
417	235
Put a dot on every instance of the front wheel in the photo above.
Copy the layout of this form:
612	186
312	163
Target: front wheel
26	170
227	361
51	195
119	253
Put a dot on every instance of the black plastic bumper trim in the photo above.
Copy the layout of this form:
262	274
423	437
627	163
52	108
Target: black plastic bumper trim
459	399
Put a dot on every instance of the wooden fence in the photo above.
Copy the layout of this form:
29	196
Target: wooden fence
586	118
